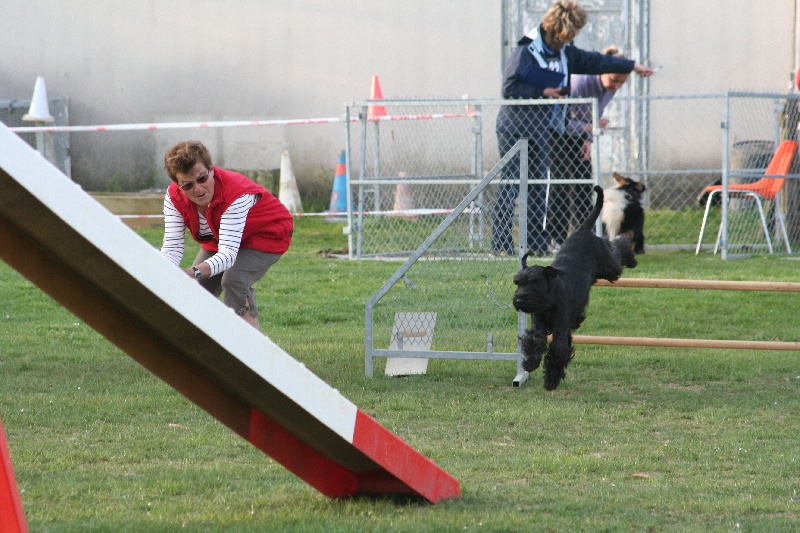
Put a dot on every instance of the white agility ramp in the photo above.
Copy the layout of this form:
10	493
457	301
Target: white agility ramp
76	251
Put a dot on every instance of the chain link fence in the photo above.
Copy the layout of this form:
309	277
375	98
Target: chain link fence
406	170
754	124
452	296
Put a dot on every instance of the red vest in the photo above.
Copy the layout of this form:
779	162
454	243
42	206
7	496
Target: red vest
269	224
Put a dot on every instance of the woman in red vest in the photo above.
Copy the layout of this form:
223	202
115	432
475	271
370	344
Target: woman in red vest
242	229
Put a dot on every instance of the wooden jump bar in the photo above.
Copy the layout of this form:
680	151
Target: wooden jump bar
699	284
703	284
687	343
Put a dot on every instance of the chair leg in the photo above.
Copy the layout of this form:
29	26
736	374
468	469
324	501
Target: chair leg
782	223
767	235
719	237
703	226
757	199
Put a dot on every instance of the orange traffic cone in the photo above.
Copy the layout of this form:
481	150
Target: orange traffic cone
375	93
12	519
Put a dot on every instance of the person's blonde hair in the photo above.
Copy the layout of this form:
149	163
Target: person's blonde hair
609	78
563	21
613	50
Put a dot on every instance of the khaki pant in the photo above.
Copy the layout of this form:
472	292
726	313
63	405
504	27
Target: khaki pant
237	282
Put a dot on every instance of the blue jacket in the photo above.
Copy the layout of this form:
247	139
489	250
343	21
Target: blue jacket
533	121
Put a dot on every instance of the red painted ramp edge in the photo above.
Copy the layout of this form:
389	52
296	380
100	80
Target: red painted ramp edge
12	519
402	469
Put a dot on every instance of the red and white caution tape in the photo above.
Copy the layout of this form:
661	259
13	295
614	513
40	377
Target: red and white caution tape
389	213
228	123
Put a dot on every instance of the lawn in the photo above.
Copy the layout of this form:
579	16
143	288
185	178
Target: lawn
635	439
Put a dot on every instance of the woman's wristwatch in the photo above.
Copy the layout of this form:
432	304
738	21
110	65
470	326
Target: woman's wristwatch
197	274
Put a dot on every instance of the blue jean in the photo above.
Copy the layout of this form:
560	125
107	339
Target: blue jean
503	212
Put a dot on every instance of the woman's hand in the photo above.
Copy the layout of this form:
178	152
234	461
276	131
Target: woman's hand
586	151
553	92
204	268
642	70
588	126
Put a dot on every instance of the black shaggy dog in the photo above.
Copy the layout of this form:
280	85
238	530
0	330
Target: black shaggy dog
556	296
623	213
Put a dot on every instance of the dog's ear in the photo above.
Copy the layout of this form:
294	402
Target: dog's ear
552	272
639	186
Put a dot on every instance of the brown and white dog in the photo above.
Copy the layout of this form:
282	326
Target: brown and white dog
623	213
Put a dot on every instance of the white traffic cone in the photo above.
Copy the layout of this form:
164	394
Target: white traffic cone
288	193
403	201
39	111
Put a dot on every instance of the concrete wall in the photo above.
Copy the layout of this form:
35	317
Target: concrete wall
187	60
710	48
719	45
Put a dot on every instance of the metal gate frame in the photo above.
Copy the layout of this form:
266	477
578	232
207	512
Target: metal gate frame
360	181
521	149
356	213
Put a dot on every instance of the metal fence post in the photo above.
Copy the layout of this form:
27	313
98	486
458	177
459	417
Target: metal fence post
348	177
376	196
477	171
522	318
723	236
596	166
362	174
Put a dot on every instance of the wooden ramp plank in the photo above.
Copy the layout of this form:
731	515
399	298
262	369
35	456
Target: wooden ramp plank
76	251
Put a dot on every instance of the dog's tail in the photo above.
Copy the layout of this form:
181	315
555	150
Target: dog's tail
589	222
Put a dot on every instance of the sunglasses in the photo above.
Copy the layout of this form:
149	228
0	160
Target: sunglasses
190	185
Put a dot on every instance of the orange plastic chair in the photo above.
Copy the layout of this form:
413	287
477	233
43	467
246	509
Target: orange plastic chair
766	188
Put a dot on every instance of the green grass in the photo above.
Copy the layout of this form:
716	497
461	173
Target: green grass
671	227
635	439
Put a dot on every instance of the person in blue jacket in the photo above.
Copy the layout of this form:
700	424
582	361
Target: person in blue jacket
540	68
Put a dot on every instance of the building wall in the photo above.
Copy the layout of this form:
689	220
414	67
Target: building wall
718	45
186	60
191	60
710	48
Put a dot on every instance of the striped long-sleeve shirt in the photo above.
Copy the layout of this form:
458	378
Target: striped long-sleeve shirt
231	227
